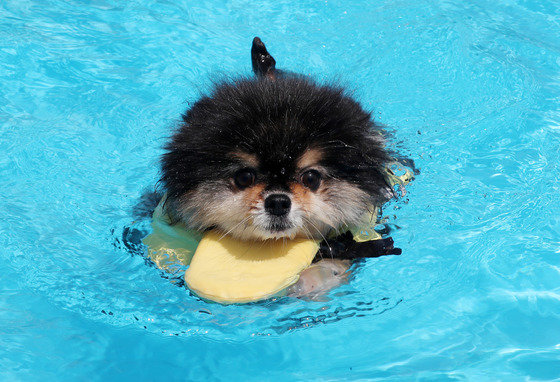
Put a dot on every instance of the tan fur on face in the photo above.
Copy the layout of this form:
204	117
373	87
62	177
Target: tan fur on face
241	213
339	202
247	159
311	157
218	205
335	203
300	195
253	195
210	204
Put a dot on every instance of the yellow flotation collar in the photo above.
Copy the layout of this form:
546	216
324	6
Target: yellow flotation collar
228	270
170	246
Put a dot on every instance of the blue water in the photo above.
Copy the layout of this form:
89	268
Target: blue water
89	92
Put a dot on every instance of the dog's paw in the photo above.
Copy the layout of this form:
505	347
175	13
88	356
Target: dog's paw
317	280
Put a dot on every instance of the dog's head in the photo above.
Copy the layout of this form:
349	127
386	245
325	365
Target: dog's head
261	159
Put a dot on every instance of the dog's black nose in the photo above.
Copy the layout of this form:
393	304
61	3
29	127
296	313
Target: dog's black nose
277	204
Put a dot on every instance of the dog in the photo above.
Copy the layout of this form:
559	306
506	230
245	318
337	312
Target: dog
278	156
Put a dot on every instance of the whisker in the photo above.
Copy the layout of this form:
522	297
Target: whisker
234	227
310	237
319	232
307	233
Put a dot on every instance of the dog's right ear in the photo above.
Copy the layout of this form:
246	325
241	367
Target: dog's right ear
264	65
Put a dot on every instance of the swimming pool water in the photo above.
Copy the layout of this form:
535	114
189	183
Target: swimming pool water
89	91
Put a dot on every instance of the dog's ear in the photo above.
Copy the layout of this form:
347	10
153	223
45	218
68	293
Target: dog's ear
264	65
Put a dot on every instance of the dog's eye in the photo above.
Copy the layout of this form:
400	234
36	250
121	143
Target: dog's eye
244	178
311	179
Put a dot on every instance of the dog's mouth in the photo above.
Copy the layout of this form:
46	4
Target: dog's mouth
278	225
273	227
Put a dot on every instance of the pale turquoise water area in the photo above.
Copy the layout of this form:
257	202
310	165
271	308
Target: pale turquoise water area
90	90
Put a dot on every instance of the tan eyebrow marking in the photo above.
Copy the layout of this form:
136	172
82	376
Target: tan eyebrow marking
310	157
246	158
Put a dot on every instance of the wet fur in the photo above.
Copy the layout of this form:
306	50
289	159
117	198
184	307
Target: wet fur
276	126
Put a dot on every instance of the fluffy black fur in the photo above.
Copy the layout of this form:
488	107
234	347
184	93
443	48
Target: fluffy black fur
277	121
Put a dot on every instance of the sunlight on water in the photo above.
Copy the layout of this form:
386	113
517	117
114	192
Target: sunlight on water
468	90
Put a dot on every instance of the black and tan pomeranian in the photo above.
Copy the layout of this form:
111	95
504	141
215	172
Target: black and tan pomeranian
278	156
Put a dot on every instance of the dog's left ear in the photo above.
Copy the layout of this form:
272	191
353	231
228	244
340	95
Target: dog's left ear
264	65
